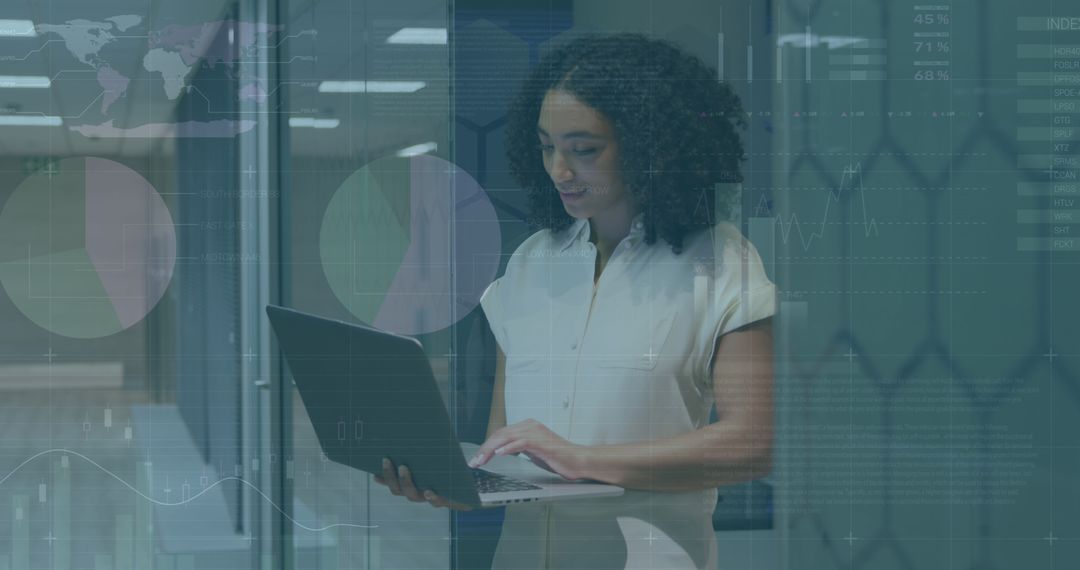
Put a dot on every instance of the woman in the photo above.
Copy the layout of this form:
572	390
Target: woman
629	314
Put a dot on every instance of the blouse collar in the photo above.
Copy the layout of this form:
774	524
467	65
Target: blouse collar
580	231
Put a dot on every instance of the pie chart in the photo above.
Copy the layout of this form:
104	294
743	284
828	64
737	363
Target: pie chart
409	244
87	247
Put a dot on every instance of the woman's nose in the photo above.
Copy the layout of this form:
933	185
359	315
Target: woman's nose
560	171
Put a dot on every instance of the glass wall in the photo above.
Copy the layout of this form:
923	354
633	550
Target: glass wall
922	168
123	350
368	204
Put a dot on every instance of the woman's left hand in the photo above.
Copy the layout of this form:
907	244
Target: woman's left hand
540	444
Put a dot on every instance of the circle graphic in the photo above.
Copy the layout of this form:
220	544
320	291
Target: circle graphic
387	250
87	247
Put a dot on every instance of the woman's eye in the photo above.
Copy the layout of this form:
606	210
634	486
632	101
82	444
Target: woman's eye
547	148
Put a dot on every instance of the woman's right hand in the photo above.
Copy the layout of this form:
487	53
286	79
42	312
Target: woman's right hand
400	483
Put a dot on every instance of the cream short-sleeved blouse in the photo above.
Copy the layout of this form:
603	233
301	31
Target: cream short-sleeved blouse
626	361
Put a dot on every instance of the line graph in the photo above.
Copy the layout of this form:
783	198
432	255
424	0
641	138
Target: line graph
180	502
851	180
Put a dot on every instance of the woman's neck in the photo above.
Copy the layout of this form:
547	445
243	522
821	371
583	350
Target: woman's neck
609	227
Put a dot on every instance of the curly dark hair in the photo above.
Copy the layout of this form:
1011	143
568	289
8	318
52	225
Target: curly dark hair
675	125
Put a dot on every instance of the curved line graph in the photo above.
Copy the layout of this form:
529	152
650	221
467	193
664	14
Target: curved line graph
184	501
852	178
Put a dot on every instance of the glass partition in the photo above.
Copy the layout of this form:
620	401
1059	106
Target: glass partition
123	353
369	207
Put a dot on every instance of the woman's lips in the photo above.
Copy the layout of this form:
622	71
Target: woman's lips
569	196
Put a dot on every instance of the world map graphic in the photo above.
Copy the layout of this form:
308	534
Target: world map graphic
172	54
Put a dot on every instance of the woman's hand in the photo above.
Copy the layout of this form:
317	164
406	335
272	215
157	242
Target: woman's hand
543	446
400	483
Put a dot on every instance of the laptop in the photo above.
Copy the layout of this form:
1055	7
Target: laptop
371	394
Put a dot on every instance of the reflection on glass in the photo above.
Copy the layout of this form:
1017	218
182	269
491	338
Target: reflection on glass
368	205
119	292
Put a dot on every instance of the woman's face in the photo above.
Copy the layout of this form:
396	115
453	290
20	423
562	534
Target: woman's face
579	149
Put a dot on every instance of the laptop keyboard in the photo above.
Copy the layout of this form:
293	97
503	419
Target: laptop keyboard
488	482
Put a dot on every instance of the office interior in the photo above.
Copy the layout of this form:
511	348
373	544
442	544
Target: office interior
170	168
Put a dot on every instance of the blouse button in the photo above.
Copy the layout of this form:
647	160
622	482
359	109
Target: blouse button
573	345
566	402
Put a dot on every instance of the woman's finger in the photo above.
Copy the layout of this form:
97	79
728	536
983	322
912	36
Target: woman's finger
443	502
438	501
486	450
389	476
459	507
516	446
497	439
435	500
407	487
